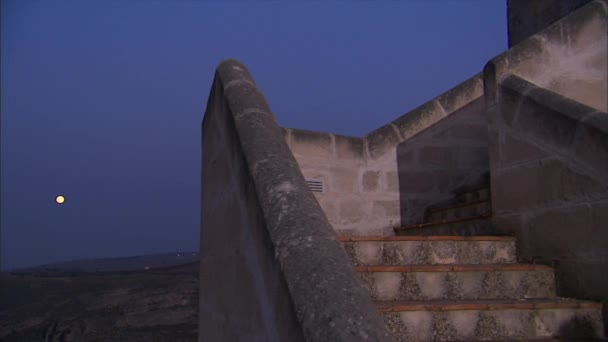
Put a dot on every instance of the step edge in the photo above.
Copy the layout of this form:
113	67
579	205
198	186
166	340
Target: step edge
425	238
454	268
457	306
442	222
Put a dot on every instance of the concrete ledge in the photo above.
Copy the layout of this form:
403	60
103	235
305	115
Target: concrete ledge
329	301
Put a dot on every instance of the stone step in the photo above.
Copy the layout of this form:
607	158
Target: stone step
470	226
432	250
458	211
456	282
496	320
473	193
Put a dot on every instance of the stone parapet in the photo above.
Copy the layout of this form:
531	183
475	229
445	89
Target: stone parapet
271	267
376	182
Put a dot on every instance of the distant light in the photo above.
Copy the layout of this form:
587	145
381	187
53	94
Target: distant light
147	267
59	199
178	254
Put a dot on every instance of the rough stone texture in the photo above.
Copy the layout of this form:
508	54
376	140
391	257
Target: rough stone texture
501	325
440	285
443	164
432	252
549	146
567	57
271	268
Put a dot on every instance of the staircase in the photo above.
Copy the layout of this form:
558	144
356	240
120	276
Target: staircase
448	280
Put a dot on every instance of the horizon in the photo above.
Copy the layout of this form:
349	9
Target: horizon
103	102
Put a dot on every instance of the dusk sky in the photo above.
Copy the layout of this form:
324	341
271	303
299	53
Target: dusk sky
102	101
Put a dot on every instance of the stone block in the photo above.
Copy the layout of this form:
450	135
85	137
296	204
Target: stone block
419	119
600	229
328	205
515	150
508	108
344	180
591	144
405	155
416	182
313	144
386	209
350	148
462	94
352	210
548	181
547	116
562	232
472	132
438	157
370	181
472	157
382	140
391	181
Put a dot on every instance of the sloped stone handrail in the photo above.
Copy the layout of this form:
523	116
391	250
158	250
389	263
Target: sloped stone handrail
329	301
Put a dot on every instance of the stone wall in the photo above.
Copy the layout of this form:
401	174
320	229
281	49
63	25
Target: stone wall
372	184
550	183
526	17
568	57
546	100
450	154
271	267
358	197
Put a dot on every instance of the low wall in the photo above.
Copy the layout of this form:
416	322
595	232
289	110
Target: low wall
546	100
380	181
550	183
271	268
568	57
447	155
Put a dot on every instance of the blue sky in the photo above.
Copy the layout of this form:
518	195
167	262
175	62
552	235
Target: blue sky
102	101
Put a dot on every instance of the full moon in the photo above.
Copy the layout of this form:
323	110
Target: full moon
59	199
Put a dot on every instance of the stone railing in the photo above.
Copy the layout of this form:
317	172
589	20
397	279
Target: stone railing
546	102
271	267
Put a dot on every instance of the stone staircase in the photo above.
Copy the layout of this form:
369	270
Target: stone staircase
444	281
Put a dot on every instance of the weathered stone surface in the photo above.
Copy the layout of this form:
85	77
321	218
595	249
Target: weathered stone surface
591	143
371	180
391	181
438	156
382	140
416	182
350	148
515	150
473	325
352	210
311	143
547	181
299	288
461	95
386	208
477	132
345	180
419	119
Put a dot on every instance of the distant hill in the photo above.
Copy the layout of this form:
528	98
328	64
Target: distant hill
102	300
140	262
